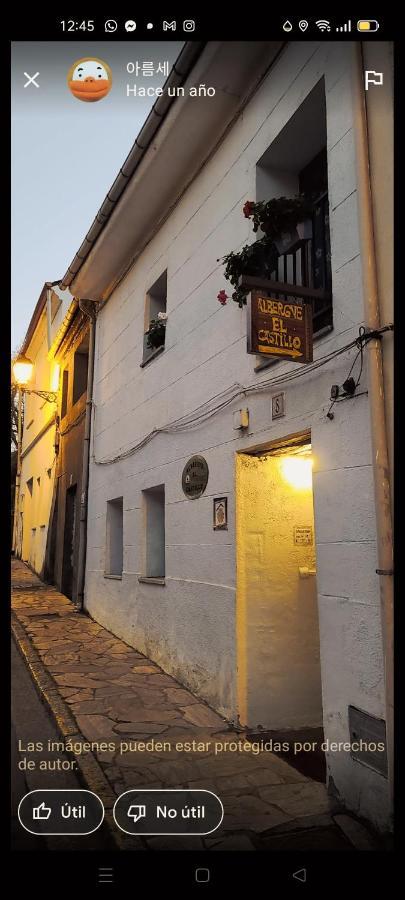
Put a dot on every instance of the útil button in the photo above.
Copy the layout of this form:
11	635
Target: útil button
52	811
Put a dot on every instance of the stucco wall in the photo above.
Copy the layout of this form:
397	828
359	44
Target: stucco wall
38	455
189	624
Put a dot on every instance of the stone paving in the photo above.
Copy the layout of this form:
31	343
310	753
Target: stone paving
115	694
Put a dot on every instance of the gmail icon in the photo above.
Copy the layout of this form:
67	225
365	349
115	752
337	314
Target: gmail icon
169	26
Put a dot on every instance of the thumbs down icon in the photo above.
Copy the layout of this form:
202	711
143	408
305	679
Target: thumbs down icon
136	812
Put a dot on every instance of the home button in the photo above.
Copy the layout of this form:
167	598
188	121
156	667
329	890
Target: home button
202	875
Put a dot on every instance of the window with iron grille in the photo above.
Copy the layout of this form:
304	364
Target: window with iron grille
295	162
308	261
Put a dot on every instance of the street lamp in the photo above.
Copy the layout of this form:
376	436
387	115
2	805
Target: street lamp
23	369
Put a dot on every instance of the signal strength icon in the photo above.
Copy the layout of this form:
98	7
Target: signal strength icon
346	27
323	25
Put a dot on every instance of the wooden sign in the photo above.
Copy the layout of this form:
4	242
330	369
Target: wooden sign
279	328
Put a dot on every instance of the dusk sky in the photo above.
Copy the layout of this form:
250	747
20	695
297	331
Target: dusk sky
66	154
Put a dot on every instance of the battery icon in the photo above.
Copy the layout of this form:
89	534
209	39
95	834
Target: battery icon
367	25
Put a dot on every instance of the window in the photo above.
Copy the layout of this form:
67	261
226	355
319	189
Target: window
296	162
154	500
155	313
313	183
65	385
30	485
114	538
80	367
308	261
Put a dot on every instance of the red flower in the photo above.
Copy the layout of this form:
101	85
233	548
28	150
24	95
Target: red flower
248	209
222	297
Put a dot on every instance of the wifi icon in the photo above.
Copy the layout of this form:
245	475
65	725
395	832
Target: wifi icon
323	25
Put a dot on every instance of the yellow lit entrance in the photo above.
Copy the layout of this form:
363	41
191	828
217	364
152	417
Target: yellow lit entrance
279	678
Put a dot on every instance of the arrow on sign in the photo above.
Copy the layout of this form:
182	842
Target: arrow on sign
282	350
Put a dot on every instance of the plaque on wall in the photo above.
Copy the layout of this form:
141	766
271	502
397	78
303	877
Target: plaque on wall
303	535
220	514
195	477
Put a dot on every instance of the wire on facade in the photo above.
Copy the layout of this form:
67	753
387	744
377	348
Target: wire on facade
206	411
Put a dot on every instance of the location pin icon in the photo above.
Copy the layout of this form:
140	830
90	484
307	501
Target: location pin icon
303	25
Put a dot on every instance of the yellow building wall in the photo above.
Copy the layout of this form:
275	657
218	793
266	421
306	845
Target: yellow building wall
38	454
279	681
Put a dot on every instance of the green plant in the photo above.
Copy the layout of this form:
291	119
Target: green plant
274	217
259	258
156	334
277	216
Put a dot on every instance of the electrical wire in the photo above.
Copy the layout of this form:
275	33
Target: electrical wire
206	410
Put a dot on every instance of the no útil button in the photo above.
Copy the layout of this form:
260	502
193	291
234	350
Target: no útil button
171	811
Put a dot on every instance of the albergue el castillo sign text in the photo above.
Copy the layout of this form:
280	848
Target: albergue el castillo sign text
280	328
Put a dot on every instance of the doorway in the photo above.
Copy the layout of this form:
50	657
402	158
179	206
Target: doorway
279	675
69	542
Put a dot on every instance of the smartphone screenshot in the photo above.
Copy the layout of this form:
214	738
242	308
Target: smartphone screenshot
202	461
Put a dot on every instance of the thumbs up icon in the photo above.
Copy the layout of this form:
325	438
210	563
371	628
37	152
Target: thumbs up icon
41	811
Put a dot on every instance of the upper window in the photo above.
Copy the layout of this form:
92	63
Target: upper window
65	385
308	261
313	183
296	163
155	318
80	367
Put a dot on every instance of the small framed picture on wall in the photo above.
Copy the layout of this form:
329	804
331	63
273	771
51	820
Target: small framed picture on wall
220	514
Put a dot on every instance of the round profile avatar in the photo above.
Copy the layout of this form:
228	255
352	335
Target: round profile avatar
89	79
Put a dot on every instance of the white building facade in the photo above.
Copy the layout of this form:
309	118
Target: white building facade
275	620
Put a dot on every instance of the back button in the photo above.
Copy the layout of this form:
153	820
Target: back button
300	875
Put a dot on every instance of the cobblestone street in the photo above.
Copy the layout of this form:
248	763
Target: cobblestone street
111	693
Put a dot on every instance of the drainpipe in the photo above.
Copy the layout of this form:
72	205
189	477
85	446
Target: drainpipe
18	475
48	316
88	308
377	406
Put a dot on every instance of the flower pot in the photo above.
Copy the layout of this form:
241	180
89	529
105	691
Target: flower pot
304	229
286	240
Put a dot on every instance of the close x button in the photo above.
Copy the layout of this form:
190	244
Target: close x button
168	812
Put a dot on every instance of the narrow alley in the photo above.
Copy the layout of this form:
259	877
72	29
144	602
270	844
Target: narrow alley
103	692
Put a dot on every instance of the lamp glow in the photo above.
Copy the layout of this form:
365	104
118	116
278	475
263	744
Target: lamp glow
22	370
55	378
297	471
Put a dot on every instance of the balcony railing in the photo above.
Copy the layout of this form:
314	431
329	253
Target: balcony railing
307	264
303	271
